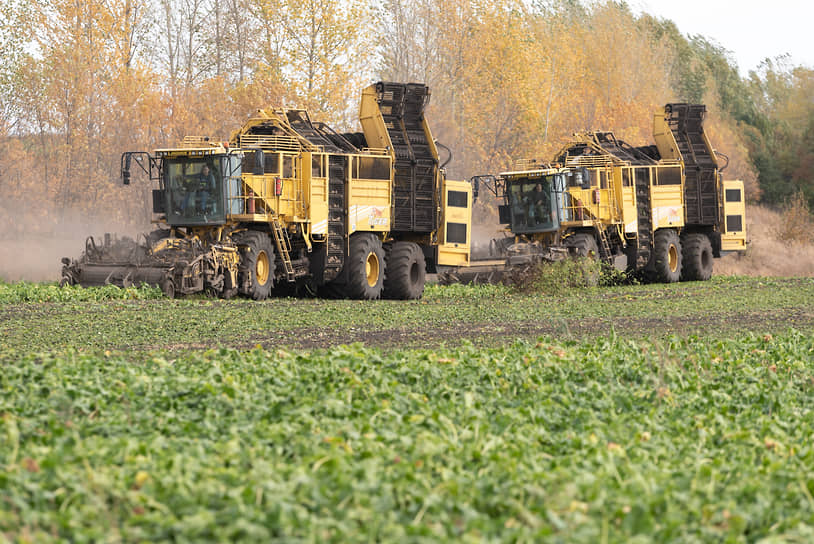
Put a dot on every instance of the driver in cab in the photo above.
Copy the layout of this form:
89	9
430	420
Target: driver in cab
199	188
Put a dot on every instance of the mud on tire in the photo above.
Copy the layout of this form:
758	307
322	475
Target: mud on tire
697	259
362	277
665	263
256	269
583	244
406	272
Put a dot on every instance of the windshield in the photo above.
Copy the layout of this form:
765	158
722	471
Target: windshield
194	190
532	203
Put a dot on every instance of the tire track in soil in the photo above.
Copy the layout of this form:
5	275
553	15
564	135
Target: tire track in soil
563	329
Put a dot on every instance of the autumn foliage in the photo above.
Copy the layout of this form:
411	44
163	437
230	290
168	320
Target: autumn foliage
81	81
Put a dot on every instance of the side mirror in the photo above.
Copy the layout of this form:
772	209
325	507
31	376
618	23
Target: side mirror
475	189
126	168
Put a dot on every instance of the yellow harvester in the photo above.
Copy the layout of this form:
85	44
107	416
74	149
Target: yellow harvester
291	203
663	210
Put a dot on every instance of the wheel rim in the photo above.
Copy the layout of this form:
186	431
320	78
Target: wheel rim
672	258
261	269
372	269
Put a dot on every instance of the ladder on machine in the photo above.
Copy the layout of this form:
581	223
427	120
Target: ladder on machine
603	239
283	247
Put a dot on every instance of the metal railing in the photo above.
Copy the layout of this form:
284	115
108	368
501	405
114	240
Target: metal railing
270	142
605	209
522	165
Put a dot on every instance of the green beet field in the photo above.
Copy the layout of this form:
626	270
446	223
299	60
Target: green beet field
659	413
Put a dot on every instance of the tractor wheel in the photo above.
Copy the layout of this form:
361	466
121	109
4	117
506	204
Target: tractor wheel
665	264
406	272
229	290
333	289
583	244
362	277
256	264
697	251
168	288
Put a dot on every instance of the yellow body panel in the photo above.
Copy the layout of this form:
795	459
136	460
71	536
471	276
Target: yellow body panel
588	205
630	218
369	198
370	116
301	177
734	236
316	180
665	141
303	195
454	241
369	208
667	204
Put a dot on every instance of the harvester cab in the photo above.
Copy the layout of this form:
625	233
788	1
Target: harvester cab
192	185
533	201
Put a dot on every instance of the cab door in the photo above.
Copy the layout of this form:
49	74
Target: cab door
455	236
315	179
733	237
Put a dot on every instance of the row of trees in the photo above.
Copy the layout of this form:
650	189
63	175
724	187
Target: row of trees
83	80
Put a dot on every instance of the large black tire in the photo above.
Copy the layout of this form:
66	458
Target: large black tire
697	265
168	287
229	290
406	272
333	289
665	263
583	244
362	276
256	269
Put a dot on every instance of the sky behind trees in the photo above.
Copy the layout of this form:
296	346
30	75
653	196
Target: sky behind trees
751	30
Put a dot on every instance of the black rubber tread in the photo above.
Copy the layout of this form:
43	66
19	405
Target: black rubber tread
583	244
658	270
333	289
697	259
354	273
251	244
229	290
352	280
168	288
405	273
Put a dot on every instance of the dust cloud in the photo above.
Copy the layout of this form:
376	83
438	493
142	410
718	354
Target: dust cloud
32	249
482	236
766	254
